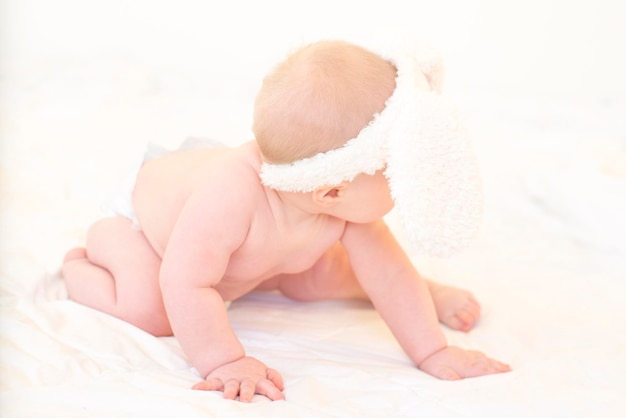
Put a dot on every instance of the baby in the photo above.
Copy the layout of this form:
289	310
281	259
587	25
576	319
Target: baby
299	209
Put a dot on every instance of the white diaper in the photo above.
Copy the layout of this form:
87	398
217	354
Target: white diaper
119	201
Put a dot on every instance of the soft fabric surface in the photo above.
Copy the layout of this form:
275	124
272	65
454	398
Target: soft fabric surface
549	265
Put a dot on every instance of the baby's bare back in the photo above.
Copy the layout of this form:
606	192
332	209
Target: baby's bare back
272	243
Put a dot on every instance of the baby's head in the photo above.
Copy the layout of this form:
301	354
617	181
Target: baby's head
318	98
333	112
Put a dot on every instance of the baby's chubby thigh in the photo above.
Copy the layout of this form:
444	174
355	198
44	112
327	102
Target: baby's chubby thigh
116	245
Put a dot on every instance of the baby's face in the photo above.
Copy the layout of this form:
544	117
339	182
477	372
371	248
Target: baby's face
368	198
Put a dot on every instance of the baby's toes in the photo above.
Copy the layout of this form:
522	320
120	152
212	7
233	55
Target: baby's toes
465	318
75	254
456	308
473	307
457	323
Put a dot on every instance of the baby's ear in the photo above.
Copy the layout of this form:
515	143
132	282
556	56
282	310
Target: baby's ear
329	195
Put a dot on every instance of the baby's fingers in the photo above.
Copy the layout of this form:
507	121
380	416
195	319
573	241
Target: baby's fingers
211	383
444	373
247	390
231	389
275	377
269	389
486	365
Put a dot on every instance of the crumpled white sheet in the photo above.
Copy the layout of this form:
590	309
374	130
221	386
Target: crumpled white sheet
549	268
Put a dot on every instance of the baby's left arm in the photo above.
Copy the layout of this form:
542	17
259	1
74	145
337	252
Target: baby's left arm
395	288
402	298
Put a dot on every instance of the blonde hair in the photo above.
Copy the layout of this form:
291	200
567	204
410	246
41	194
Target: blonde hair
319	98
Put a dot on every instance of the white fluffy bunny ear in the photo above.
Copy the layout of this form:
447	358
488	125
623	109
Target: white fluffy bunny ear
434	178
430	62
427	58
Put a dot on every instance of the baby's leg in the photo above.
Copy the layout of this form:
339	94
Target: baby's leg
332	278
118	273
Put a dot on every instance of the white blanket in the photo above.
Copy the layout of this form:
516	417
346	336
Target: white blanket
549	266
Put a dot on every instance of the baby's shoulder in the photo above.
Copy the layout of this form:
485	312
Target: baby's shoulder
241	165
230	171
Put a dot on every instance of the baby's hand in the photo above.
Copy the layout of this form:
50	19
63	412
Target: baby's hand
454	363
244	377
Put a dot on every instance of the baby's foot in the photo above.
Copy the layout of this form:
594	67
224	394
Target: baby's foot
73	260
456	308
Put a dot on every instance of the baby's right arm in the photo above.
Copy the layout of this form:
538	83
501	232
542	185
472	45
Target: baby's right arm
199	320
194	262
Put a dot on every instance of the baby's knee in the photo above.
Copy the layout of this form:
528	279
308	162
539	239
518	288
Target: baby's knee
107	226
72	261
108	234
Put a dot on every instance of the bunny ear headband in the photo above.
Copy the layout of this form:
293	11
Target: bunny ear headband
419	141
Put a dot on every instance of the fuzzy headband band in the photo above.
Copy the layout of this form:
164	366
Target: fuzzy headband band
432	173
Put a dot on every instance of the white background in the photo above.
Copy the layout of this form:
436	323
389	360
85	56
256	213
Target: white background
85	84
574	48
